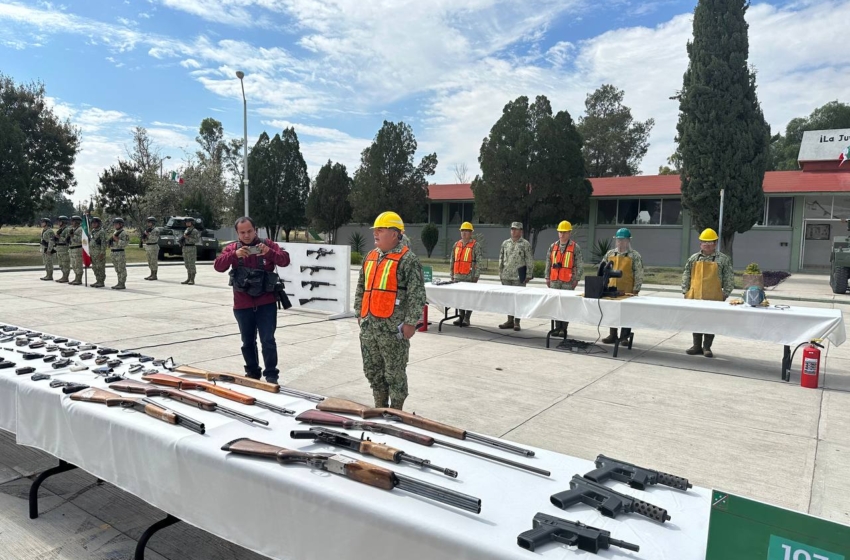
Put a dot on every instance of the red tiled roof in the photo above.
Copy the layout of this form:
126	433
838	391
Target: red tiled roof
775	182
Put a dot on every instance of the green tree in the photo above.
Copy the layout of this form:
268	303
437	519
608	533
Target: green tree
430	235
532	169
122	190
784	149
614	143
723	137
37	151
142	152
211	139
279	183
328	207
674	162
387	179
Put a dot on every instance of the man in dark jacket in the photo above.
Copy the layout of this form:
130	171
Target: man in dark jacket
254	313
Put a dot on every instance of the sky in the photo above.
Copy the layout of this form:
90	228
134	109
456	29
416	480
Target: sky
336	69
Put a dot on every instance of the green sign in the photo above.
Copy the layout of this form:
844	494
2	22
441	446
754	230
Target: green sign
742	529
428	273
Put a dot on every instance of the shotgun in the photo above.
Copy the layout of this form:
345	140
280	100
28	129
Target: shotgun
145	405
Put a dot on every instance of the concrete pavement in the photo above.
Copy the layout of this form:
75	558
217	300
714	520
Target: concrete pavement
726	423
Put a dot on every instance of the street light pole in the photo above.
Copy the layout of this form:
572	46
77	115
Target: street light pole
161	173
240	75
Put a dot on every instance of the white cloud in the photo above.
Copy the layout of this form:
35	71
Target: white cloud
320	144
190	63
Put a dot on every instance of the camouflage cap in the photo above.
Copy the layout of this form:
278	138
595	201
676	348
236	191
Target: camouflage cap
118	221
47	221
516	225
62	218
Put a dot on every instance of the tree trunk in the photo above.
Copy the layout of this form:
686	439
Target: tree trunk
728	241
286	233
534	236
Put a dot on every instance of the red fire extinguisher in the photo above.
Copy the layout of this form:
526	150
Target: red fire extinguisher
811	365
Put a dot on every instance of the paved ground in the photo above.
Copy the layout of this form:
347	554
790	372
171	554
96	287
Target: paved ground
727	423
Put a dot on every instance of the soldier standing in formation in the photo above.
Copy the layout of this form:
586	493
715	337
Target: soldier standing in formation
515	255
47	248
97	250
464	265
75	250
190	252
117	243
708	276
629	261
63	233
150	239
564	267
390	297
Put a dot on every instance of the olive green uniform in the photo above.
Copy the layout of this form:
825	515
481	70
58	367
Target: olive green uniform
117	244
63	235
191	237
75	253
512	256
97	250
47	252
150	239
385	355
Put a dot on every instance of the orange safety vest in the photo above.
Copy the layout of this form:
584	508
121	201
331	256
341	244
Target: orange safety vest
563	273
381	284
463	258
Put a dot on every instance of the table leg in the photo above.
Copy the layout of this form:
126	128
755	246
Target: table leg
149	532
786	364
63	467
446	318
616	346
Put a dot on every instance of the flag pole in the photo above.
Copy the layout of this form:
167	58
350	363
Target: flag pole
86	268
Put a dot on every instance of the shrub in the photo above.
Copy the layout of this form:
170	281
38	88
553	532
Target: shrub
357	242
430	236
752	268
356	258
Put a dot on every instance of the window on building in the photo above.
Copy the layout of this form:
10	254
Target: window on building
606	212
778	211
671	212
818	208
627	210
649	212
435	213
460	212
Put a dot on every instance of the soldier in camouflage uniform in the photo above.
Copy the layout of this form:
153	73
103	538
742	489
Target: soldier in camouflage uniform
117	243
709	276
97	250
463	265
390	297
629	261
47	248
564	267
150	241
515	253
63	234
190	239
75	250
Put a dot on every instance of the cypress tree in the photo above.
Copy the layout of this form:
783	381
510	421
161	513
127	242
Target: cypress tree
723	137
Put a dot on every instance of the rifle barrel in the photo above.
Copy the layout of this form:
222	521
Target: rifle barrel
273	408
438	493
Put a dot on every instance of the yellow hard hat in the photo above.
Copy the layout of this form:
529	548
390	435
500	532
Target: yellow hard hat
466	226
708	234
388	219
565	226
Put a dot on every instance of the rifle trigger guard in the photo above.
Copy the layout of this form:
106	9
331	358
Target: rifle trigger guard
389	416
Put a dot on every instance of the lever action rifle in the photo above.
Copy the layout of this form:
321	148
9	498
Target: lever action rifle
187	385
367	447
360	471
321	252
130	386
319	418
306	301
313	284
608	502
343	406
313	269
234	378
145	405
633	475
547	528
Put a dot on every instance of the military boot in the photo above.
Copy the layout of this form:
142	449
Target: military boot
45	278
459	321
119	286
148	277
64	279
611	338
191	280
98	285
509	324
516	325
187	280
706	346
697	347
382	399
466	317
152	276
77	280
397	404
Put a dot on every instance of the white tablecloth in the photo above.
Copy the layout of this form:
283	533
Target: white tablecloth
781	326
294	512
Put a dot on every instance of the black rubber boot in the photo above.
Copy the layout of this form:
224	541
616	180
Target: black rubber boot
611	338
697	347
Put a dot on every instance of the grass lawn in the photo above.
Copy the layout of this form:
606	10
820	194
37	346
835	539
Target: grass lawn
29	255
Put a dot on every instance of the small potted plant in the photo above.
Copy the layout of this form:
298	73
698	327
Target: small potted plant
753	276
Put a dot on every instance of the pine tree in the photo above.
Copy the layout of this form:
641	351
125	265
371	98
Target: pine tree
723	137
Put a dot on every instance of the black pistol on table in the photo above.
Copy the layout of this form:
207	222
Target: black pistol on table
608	502
633	475
547	528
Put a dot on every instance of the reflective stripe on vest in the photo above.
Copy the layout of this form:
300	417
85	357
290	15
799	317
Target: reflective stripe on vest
565	272
380	282
463	258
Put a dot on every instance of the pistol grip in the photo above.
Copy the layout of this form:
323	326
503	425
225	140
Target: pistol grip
565	499
538	536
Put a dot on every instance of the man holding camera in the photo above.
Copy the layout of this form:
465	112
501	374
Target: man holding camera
253	276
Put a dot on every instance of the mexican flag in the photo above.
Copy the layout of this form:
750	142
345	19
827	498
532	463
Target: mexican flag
844	156
176	177
86	252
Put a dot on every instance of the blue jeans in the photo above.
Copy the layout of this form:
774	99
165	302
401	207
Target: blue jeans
262	319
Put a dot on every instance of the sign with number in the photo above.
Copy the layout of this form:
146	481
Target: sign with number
428	273
785	549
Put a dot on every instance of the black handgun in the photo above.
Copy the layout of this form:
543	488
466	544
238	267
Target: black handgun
608	502
61	363
39	376
106	351
633	475
60	340
25	369
73	343
547	528
128	354
37	344
50	358
31	355
143	359
68	386
86	356
67	353
5	365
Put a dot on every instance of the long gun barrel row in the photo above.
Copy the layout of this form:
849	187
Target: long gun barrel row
633	475
547	528
367	447
234	378
187	385
343	406
319	418
145	405
609	503
130	386
360	471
